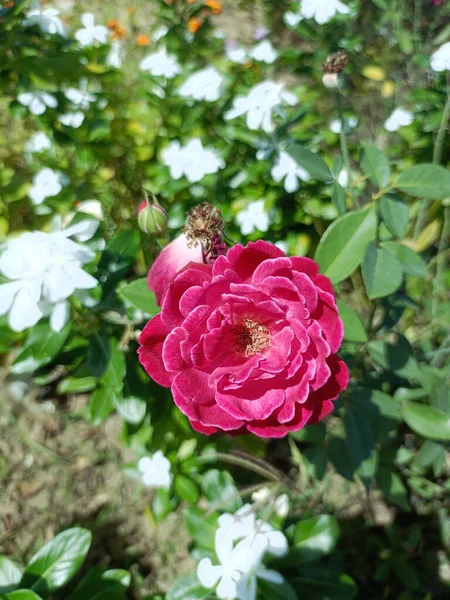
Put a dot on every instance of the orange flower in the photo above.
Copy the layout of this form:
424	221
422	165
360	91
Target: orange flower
131	10
142	40
191	1
215	6
8	4
194	24
118	32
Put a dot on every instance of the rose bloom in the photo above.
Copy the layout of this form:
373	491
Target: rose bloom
247	344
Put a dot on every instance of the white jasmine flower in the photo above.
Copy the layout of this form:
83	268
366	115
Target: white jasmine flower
264	52
115	55
286	168
91	33
80	98
37	102
238	525
253	218
259	105
72	119
159	33
155	470
323	10
235	52
47	20
292	19
91	207
193	161
38	142
161	64
264	495
44	269
343	178
46	183
336	124
440	60
399	118
206	84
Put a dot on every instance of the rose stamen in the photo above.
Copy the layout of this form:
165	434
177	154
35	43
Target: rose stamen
250	338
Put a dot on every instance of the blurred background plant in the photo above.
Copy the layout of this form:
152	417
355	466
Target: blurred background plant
319	126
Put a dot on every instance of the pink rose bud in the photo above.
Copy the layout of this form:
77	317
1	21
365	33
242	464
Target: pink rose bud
152	218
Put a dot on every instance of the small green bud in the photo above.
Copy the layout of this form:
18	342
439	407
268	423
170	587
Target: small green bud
152	218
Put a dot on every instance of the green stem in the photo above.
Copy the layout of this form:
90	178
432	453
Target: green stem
440	264
246	464
417	23
344	148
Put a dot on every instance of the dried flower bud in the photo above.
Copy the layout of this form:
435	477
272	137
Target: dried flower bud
335	63
204	224
152	218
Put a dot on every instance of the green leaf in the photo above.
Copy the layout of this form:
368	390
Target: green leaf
186	489
201	526
102	404
427	455
316	537
425	181
58	561
131	409
341	588
276	591
392	488
312	163
221	491
395	214
354	330
110	585
162	504
382	272
99	353
361	445
427	421
339	198
410	261
41	347
342	247
23	595
10	575
116	370
188	588
139	296
375	165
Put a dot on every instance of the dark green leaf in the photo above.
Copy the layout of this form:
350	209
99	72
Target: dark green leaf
339	198
381	271
99	353
188	588
342	588
139	296
10	575
361	445
102	404
58	561
116	370
375	165
276	591
353	328
425	181
410	261
392	488
342	247
395	214
220	490
427	421
312	163
41	347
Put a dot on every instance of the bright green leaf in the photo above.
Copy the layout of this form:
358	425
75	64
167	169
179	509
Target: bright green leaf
339	198
131	409
139	296
382	272
22	595
41	347
188	588
353	328
186	489
410	261
425	181
427	421
312	163
316	536
10	575
375	165
342	247
221	491
201	526
395	214
102	404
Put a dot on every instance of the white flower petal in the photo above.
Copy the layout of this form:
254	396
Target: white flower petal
207	573
60	316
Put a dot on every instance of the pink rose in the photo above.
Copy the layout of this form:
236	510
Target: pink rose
248	343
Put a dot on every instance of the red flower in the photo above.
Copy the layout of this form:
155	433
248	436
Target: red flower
248	343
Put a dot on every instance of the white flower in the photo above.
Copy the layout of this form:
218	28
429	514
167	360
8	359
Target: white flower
281	503
91	207
37	102
38	142
399	118
155	470
161	64
44	269
46	183
264	52
115	55
91	33
286	168
322	10
254	217
282	245
238	525
193	161
72	119
159	33
336	124
236	53
259	105
80	98
206	84
292	18
47	20
343	178
440	60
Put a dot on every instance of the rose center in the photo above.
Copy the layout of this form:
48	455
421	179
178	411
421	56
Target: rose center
250	337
